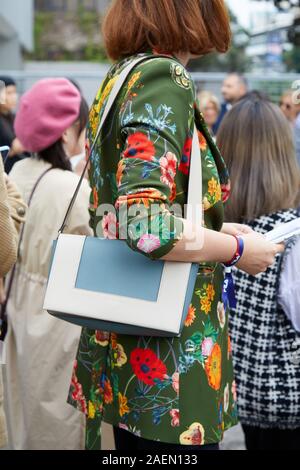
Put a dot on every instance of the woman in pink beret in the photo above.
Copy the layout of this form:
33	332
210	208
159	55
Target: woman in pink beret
40	349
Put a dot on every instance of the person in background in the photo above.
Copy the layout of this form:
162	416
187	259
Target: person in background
12	209
288	107
234	87
8	104
257	144
51	124
297	133
291	109
210	107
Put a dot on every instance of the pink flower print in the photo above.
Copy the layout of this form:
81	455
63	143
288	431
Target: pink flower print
175	418
148	243
168	166
207	347
175	382
109	226
234	390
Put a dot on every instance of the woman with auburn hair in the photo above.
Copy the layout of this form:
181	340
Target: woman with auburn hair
257	144
163	393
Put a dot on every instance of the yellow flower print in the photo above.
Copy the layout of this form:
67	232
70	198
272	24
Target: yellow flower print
202	141
214	190
92	410
194	435
120	172
133	80
210	292
105	93
206	305
212	186
213	368
123	407
120	358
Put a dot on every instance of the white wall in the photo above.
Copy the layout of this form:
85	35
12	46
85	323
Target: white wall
20	15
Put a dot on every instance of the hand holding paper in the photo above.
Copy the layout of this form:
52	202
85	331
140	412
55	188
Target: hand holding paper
284	232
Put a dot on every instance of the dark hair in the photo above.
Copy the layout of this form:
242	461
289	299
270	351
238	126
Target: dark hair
55	154
166	26
257	144
242	78
8	81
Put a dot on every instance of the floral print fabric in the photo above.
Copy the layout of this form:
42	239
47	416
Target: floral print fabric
176	390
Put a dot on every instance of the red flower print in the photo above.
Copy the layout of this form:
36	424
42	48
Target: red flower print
95	198
168	165
108	393
77	392
175	418
147	366
139	146
186	156
226	190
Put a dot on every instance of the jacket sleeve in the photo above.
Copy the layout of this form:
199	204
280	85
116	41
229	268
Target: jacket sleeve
18	208
289	287
8	239
156	118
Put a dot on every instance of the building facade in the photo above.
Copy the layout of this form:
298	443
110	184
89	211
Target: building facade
16	32
71	5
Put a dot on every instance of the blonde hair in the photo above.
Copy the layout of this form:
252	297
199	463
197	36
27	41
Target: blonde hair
205	98
257	143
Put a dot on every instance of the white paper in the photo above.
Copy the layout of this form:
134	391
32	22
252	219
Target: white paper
2	353
284	232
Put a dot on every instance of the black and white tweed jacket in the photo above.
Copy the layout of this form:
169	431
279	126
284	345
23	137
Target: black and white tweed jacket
263	341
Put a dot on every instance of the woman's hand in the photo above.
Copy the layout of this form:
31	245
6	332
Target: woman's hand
236	229
259	254
16	148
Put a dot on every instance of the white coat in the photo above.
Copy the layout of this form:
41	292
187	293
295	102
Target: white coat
40	348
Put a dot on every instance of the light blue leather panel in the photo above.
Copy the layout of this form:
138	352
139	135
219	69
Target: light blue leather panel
111	267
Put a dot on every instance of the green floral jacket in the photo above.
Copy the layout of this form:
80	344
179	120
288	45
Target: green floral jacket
175	390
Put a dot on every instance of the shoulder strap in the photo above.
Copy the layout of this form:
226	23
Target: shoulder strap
194	189
3	316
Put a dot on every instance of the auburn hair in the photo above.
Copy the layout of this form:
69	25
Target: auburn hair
257	144
166	26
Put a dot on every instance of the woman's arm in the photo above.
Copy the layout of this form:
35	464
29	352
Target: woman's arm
8	243
258	255
156	124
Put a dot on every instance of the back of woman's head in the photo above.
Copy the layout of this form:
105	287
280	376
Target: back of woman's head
258	147
46	112
168	26
55	154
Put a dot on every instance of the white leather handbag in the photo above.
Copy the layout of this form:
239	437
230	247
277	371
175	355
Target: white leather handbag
104	285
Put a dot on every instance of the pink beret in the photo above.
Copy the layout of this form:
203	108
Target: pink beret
45	112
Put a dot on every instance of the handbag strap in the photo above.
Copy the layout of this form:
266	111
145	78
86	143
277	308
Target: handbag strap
195	180
3	307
